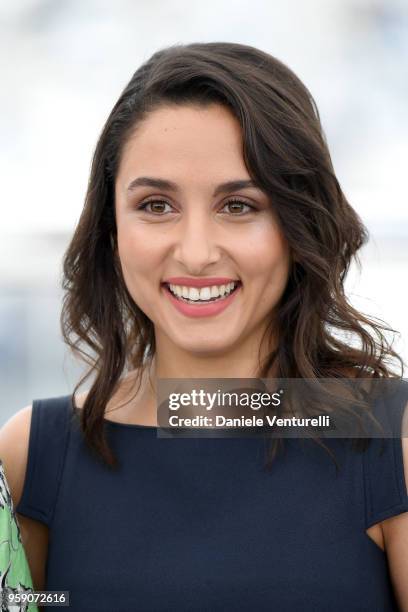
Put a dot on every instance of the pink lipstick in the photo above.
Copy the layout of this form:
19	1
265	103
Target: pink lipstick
201	309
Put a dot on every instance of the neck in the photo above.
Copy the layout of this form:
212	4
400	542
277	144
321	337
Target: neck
175	363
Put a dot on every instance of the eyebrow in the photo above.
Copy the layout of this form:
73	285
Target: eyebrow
228	187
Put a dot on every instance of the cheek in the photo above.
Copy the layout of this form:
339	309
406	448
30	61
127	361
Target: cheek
137	255
267	256
136	271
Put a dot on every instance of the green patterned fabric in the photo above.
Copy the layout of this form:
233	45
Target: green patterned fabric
14	570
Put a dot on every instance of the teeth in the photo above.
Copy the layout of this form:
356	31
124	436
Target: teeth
203	294
193	293
214	291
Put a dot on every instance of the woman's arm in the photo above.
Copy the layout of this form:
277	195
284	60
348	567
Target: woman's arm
14	439
395	530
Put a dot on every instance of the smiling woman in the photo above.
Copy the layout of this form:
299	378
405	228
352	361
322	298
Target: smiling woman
214	243
194	225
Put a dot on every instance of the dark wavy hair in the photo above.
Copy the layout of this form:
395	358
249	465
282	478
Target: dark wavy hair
286	154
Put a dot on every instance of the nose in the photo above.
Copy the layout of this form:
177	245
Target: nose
196	245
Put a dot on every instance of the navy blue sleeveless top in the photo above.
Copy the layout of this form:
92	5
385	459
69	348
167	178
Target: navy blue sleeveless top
192	524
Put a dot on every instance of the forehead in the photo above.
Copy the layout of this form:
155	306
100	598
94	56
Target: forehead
175	138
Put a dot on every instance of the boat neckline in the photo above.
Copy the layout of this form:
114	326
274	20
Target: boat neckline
119	423
133	425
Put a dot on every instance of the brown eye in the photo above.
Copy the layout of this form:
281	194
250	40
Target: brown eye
236	206
154	203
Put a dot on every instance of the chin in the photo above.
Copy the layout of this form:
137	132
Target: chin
205	346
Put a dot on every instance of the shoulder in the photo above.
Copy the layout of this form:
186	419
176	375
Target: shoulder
14	441
14	448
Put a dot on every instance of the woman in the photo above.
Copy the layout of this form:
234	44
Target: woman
212	170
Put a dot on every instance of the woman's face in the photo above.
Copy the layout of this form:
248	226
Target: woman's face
190	228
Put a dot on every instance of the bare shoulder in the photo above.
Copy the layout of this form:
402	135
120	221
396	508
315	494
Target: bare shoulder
14	444
14	440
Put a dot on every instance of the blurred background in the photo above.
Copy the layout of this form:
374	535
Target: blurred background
64	64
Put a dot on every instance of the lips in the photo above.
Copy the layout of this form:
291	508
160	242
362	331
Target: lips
203	309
